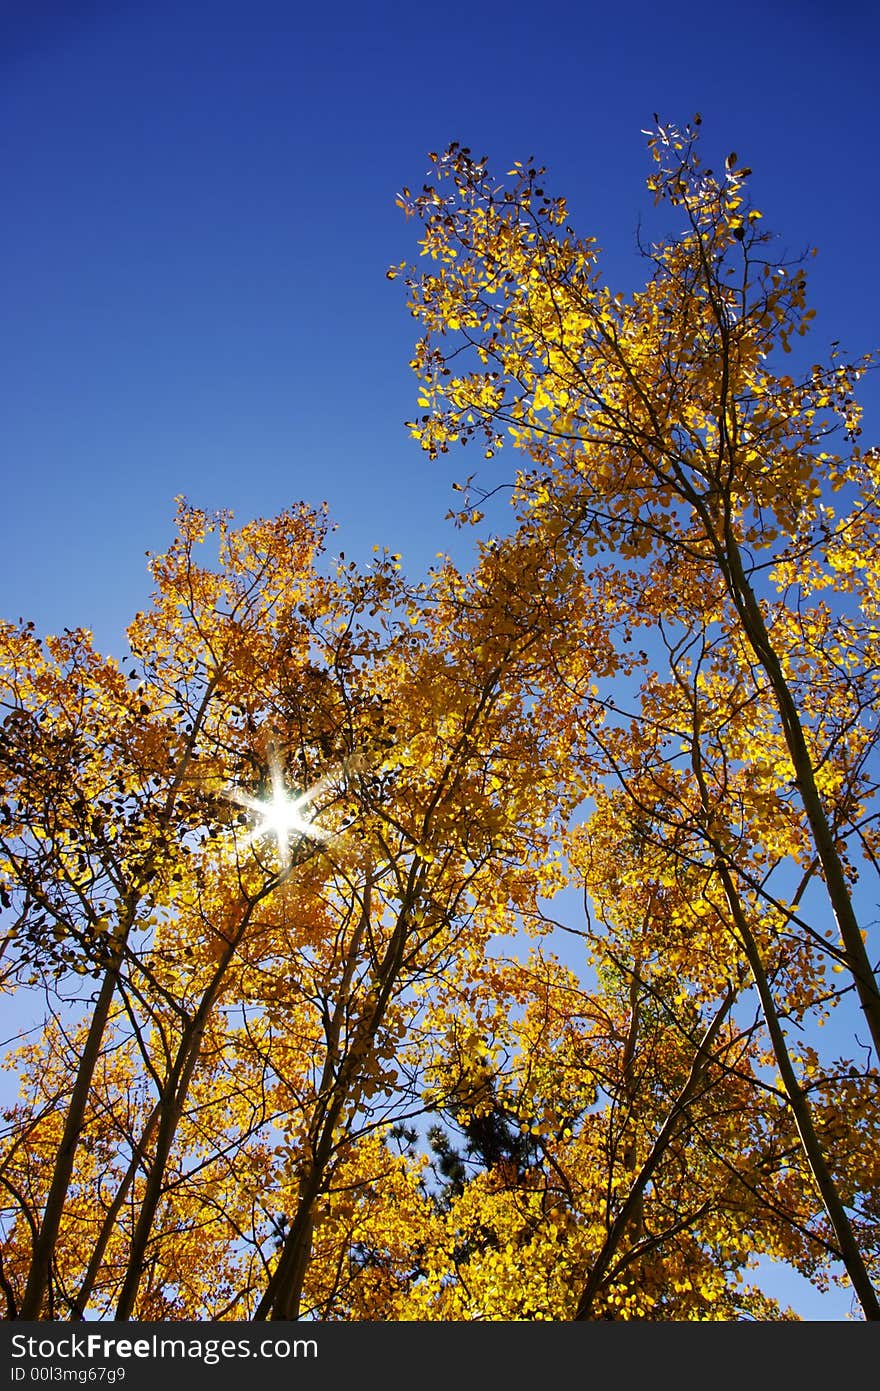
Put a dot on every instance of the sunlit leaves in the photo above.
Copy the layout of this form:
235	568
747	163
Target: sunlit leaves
274	874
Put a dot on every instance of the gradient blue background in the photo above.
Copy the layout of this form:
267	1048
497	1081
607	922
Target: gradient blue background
198	212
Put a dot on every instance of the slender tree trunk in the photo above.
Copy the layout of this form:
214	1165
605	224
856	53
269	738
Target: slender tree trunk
170	1107
632	1204
755	628
630	1082
44	1245
170	1110
728	558
801	1110
283	1294
797	1098
47	1236
85	1291
281	1298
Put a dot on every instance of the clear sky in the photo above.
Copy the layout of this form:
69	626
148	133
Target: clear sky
198	212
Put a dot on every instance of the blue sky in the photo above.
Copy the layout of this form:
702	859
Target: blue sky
199	212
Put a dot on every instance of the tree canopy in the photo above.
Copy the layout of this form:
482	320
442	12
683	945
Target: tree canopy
457	949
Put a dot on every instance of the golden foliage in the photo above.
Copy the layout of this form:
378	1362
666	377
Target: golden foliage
311	1071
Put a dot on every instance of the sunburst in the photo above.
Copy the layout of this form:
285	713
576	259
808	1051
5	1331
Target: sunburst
283	816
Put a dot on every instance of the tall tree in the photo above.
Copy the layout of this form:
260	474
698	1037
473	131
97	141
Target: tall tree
673	458
658	426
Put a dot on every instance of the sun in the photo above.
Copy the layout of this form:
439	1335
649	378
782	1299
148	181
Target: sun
282	816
